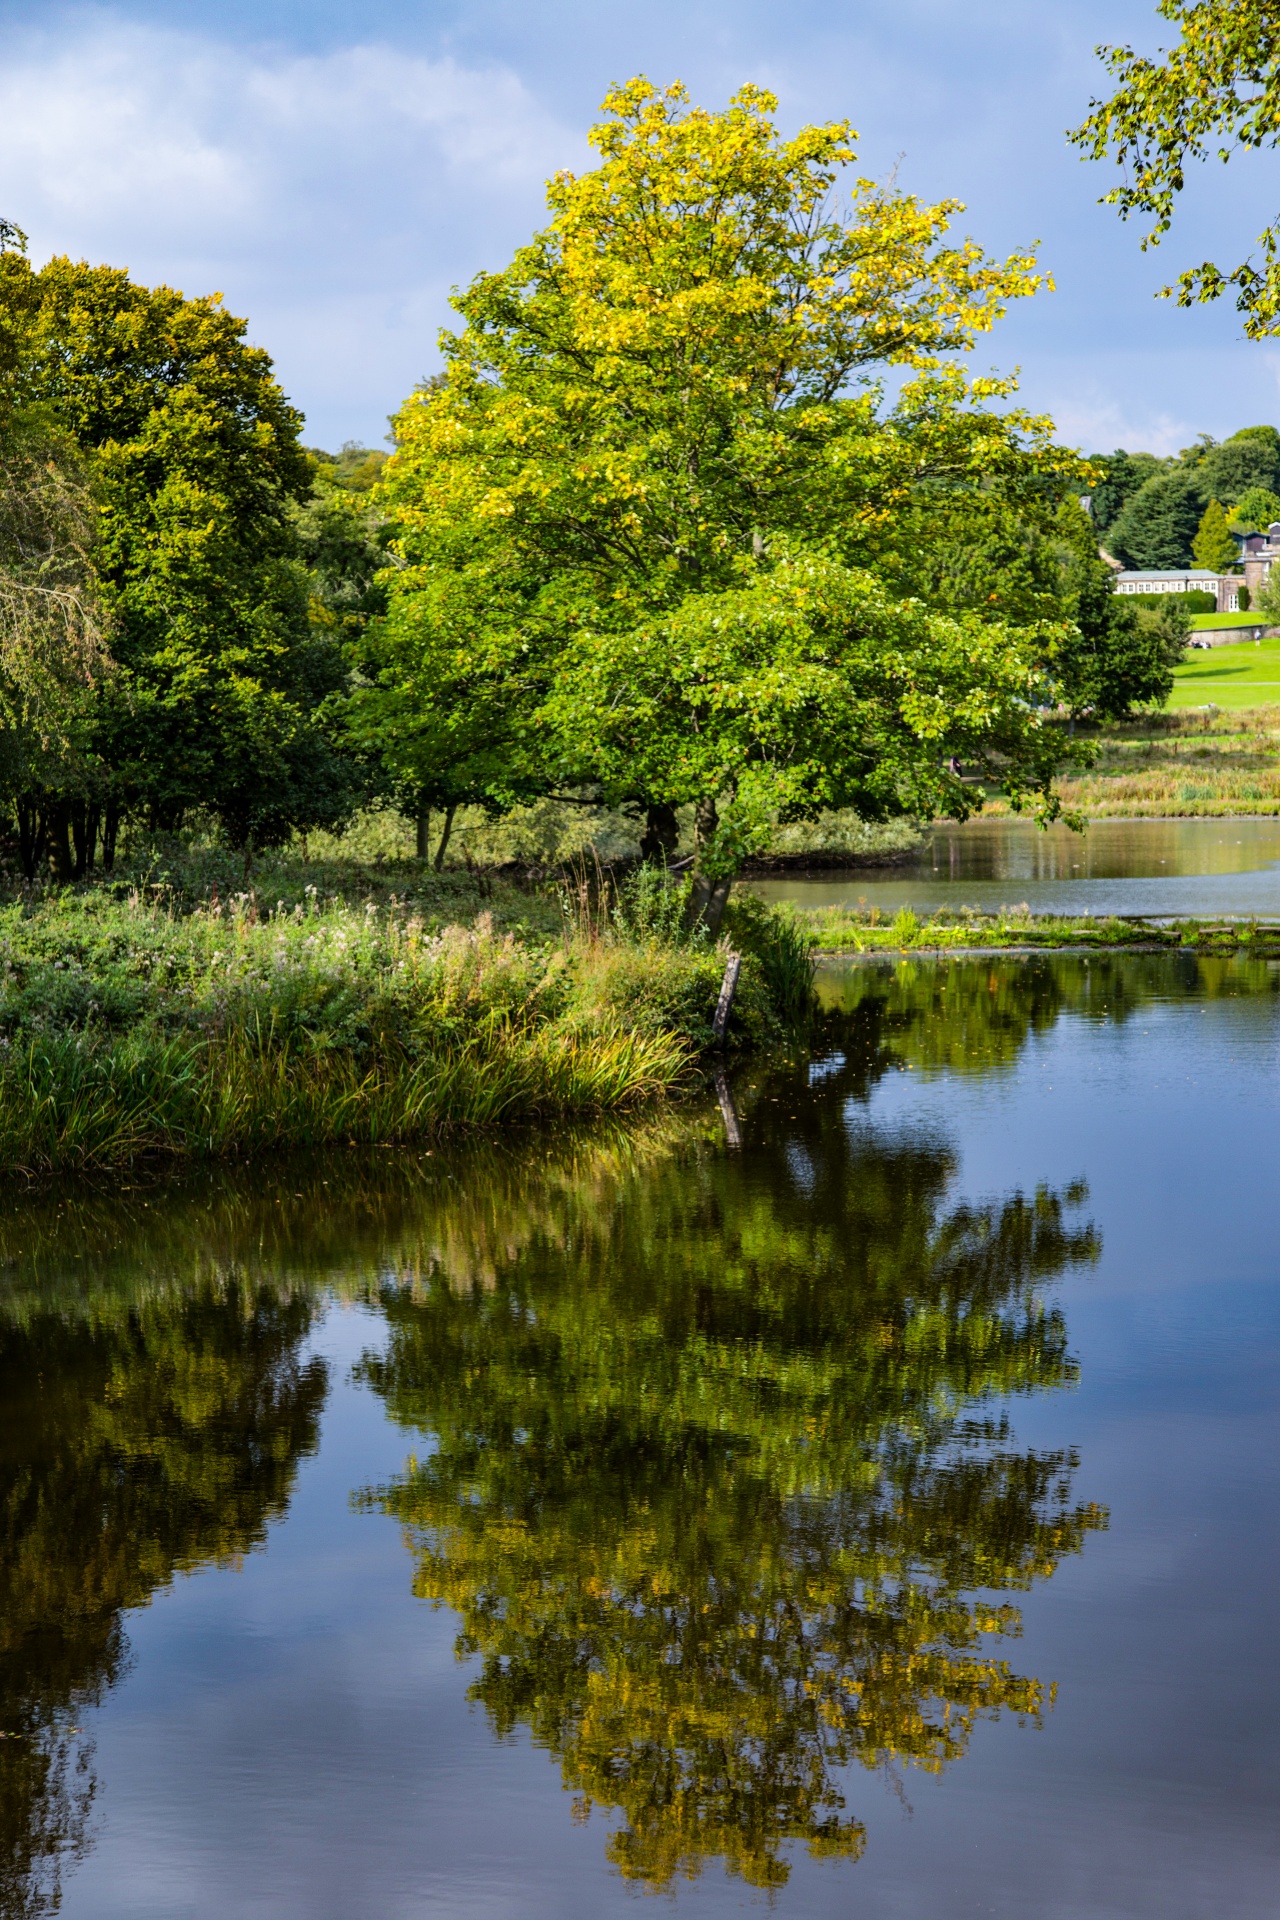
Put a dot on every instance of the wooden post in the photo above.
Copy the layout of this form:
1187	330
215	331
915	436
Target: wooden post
724	1005
728	1112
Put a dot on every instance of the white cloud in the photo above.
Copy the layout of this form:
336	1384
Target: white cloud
333	198
1098	425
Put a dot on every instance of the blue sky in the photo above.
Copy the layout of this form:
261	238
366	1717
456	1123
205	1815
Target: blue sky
333	170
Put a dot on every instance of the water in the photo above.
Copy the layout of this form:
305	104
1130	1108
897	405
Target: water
880	1518
1157	867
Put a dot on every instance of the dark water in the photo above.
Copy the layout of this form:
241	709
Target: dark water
1158	867
881	1518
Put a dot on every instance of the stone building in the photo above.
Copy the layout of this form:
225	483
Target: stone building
1259	551
1225	587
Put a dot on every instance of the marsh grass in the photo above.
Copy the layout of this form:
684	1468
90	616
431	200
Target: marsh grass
148	1018
1184	764
67	1103
843	930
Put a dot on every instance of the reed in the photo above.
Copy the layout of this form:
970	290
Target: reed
69	1101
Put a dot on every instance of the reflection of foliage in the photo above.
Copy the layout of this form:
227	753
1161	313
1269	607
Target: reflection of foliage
718	1476
970	1015
135	1444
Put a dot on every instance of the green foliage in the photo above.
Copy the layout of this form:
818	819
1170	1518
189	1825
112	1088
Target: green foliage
1117	655
342	542
1122	474
635	518
1255	509
52	624
1192	603
196	468
1213	546
205	1025
652	908
783	951
1216	91
1157	525
1249	461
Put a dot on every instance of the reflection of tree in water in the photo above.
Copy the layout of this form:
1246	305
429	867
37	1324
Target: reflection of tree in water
721	1472
135	1444
974	1015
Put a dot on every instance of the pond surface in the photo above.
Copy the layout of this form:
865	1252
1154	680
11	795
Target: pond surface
881	1517
1159	867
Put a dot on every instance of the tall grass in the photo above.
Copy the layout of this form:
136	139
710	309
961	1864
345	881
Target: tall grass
146	1020
65	1102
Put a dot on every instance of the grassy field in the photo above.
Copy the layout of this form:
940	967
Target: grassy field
1180	763
1209	622
1233	677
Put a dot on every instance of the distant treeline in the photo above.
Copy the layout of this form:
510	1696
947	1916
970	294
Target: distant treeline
1148	511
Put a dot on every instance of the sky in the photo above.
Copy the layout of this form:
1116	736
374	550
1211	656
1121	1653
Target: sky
334	170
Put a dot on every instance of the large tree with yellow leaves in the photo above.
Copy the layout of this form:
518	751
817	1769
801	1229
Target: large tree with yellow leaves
637	519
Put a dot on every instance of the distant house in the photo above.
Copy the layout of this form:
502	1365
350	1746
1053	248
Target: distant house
1225	587
1259	551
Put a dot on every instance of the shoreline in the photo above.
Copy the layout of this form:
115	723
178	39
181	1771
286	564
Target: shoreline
836	933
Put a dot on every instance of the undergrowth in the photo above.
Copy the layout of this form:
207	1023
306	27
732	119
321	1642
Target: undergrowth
170	1014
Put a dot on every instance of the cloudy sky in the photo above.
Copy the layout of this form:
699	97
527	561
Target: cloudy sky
334	169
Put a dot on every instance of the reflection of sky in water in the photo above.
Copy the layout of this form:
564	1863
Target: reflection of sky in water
1114	866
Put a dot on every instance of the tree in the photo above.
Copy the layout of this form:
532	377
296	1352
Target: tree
1114	657
1121	475
193	453
644	469
1256	508
1250	458
1219	87
1157	525
1213	546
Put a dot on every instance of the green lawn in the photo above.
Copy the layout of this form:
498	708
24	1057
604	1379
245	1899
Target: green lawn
1199	621
1247	675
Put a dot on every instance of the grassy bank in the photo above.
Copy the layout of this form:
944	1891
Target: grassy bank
168	1017
838	930
1179	765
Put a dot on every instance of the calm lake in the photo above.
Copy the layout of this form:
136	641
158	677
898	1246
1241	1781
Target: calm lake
1169	867
880	1517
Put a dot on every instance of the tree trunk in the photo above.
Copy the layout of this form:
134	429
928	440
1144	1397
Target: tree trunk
707	902
424	832
708	898
444	836
31	836
706	818
661	833
84	829
110	833
60	840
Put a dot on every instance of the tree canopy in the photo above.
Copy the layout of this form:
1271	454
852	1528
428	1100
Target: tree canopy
655	462
191	449
1213	545
1216	91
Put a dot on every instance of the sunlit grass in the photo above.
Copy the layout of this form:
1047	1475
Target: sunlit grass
1233	677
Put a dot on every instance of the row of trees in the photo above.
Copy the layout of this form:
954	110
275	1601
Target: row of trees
655	538
1171	512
